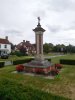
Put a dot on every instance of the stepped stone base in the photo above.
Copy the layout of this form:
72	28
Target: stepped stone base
38	66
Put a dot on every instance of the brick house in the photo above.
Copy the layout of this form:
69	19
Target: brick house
30	48
5	46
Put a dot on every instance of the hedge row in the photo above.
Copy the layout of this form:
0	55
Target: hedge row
49	59
21	61
15	62
2	64
67	61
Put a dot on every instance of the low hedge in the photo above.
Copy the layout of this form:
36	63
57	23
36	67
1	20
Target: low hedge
67	61
21	61
2	64
49	59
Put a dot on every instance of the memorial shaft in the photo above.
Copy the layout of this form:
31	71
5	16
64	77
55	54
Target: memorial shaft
39	40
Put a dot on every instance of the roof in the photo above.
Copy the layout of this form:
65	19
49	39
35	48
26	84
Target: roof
4	41
23	44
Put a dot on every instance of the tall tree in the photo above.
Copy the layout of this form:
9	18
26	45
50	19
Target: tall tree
23	50
46	48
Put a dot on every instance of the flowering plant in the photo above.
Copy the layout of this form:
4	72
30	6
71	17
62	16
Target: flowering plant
58	66
20	68
54	71
38	70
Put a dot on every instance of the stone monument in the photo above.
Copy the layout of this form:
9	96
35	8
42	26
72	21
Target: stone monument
39	40
39	63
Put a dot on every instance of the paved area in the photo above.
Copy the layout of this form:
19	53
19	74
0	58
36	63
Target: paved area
53	56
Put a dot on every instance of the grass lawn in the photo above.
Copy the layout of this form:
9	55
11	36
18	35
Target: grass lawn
23	87
14	57
67	56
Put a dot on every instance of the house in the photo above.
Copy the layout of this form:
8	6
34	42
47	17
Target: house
5	46
30	48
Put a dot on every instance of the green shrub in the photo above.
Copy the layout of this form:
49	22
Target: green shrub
18	53
49	59
2	64
21	61
67	61
15	62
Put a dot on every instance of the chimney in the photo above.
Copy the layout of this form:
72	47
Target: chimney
23	40
27	41
6	37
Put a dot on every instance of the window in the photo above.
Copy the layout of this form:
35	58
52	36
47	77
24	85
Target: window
5	46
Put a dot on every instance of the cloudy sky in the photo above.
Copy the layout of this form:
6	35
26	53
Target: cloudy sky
19	17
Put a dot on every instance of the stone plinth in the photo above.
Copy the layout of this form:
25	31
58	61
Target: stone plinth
38	66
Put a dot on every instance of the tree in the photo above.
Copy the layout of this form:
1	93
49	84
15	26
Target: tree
59	48
70	48
51	46
46	48
23	50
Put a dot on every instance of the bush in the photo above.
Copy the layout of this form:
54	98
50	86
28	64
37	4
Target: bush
67	61
14	53
15	62
21	61
18	53
2	64
19	68
49	59
54	71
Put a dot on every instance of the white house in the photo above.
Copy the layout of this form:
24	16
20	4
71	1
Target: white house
5	46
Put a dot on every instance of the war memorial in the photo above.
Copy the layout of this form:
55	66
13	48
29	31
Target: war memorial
39	64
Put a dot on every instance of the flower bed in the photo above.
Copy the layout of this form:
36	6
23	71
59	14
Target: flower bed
37	70
19	68
54	71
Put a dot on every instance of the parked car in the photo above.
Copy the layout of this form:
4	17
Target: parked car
4	56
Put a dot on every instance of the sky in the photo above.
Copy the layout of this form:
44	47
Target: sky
18	18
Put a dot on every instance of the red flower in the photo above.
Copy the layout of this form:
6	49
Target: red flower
58	66
53	68
20	68
54	71
38	70
57	71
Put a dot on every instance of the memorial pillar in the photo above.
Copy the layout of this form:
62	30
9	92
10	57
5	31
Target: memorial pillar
39	40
